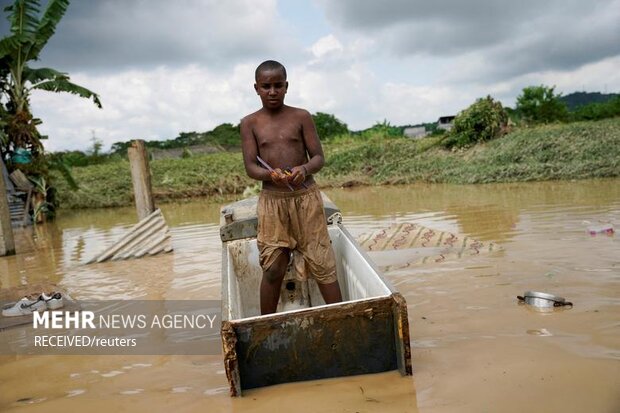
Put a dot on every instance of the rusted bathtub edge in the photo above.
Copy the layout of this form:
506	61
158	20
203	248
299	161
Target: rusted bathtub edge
341	310
231	364
401	335
394	304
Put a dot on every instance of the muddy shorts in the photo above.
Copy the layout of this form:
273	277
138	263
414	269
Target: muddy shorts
295	221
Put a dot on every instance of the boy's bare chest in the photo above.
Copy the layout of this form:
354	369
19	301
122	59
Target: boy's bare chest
276	134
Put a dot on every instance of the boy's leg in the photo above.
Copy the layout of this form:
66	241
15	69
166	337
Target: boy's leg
315	245
330	292
272	282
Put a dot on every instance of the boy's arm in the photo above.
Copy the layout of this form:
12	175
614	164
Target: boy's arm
316	159
250	151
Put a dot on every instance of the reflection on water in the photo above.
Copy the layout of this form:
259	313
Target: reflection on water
474	347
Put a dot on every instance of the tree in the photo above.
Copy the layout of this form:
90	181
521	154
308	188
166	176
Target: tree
97	145
328	126
120	148
29	34
540	104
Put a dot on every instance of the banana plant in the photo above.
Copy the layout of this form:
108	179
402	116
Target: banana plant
30	30
40	206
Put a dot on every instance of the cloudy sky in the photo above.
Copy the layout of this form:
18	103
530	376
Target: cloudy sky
162	67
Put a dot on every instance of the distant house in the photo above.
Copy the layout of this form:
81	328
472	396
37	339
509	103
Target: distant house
445	122
415	132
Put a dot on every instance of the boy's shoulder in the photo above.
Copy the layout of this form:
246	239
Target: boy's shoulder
302	113
251	117
298	111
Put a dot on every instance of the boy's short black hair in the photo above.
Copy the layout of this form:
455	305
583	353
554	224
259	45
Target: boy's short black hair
269	65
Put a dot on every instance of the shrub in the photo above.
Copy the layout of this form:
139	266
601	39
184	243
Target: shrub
72	158
384	130
484	120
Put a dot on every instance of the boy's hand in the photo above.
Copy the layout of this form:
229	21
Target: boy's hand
297	175
278	177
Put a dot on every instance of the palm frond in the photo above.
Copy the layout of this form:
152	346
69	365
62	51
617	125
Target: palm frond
47	26
35	76
12	45
7	45
24	20
24	16
64	85
40	184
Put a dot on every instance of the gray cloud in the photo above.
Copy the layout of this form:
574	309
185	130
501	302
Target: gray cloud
506	37
163	66
112	35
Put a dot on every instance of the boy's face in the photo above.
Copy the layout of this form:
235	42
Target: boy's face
271	86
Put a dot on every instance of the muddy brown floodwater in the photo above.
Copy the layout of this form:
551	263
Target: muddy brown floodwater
475	349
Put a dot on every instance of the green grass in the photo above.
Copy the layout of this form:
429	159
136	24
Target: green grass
109	184
563	151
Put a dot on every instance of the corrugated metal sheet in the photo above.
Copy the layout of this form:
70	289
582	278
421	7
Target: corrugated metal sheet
148	237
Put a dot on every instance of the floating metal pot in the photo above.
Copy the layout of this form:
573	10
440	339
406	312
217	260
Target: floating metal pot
543	300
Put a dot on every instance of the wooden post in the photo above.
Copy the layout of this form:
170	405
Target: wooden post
7	243
141	178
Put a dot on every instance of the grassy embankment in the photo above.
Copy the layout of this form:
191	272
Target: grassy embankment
565	151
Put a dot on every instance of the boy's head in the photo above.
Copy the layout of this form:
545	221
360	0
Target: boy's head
271	84
269	65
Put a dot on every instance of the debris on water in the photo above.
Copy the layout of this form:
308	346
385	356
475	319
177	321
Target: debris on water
31	400
543	332
607	229
543	301
112	373
132	391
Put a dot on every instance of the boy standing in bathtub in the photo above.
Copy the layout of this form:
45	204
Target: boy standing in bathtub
285	138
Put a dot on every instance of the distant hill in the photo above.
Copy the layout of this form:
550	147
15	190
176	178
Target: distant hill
578	99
